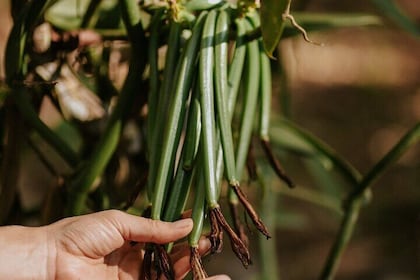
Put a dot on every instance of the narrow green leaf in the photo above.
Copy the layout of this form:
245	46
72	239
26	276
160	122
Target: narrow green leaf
292	137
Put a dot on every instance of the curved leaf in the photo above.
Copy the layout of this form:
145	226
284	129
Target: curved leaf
272	23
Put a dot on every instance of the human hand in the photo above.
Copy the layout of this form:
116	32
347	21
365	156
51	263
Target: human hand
97	246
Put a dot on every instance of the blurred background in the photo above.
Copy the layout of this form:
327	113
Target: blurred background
360	93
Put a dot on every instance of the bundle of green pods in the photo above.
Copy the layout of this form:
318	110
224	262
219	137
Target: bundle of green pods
211	62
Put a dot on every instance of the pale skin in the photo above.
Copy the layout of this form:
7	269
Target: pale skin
94	246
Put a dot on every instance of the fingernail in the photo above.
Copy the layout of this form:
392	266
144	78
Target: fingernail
184	223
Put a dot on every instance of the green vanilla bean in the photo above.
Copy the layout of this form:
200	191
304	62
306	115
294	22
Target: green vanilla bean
198	214
265	95
198	210
265	112
163	101
192	137
236	67
251	83
208	135
234	78
252	77
152	101
208	148
178	195
180	187
176	117
221	78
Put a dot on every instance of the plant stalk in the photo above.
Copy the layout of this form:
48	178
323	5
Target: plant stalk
357	198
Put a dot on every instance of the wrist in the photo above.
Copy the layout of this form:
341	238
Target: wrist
25	253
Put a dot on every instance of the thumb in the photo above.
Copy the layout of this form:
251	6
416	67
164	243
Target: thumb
140	229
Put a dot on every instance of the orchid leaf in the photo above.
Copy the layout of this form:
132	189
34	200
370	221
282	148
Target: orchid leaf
272	23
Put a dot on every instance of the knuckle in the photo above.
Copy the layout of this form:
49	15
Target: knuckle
113	214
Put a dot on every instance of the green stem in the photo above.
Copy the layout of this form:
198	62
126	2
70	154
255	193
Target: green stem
343	237
357	199
410	138
268	251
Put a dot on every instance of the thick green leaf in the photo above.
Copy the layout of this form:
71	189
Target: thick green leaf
272	23
394	12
